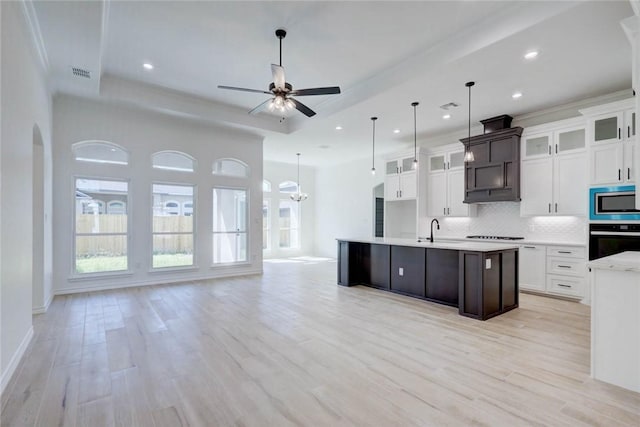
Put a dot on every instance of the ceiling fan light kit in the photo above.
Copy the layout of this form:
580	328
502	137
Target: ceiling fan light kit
282	91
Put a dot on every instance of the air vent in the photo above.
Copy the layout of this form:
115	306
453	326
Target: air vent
449	105
80	72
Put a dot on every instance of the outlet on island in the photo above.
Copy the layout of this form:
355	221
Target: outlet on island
401	271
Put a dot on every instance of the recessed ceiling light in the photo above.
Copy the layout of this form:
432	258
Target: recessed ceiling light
531	55
446	116
147	66
396	131
338	127
113	149
517	95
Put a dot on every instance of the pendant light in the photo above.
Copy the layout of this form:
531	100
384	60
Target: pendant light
468	154
373	147
299	196
415	137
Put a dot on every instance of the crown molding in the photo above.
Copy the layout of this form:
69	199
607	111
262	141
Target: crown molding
36	35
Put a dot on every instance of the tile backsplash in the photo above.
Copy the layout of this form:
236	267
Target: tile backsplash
503	219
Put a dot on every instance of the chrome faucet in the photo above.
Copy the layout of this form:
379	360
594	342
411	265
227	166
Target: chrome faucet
437	225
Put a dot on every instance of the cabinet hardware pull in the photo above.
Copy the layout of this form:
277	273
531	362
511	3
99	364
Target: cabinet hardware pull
564	286
397	193
619	176
556	208
549	149
448	211
628	131
565	252
619	134
556	148
444	211
529	247
549	207
448	165
628	173
564	266
400	193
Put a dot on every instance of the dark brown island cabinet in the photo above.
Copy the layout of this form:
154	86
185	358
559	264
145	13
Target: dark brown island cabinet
481	279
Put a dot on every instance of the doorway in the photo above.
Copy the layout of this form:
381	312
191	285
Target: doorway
378	210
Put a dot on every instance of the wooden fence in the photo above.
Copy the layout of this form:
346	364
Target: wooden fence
117	245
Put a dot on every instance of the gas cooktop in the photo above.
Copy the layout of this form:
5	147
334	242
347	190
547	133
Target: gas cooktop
495	237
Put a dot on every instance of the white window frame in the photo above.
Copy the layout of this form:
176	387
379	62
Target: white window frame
268	223
194	265
74	274
298	228
246	232
194	163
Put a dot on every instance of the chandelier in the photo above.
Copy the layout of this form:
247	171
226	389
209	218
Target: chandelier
299	196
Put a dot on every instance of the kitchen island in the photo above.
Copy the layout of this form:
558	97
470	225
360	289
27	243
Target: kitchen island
481	279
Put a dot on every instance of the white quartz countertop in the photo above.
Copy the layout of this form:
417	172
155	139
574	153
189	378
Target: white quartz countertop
525	241
625	261
438	244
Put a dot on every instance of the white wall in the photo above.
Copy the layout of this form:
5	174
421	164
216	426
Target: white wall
275	173
143	133
345	202
25	103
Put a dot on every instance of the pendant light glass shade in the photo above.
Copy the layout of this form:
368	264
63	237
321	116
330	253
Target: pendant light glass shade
299	196
373	147
415	137
468	154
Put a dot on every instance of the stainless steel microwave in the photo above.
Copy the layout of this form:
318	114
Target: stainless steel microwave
613	203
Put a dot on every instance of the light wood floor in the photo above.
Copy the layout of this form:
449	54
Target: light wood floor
293	348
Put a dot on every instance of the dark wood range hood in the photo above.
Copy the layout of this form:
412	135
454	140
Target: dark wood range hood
494	175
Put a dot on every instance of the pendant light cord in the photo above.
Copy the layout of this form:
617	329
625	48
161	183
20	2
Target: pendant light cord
415	133
298	154
373	146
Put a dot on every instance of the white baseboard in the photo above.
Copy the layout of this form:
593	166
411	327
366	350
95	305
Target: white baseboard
165	281
43	309
15	360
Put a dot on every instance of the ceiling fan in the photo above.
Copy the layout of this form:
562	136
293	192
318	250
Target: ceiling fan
283	92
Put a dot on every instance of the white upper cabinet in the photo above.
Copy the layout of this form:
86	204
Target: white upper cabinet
445	188
401	178
612	137
554	170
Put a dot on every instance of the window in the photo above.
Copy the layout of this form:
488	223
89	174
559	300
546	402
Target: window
288	187
116	207
171	208
100	238
266	186
266	225
230	210
173	161
100	152
289	223
173	232
230	167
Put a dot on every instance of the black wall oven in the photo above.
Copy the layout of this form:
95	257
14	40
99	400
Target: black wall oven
611	239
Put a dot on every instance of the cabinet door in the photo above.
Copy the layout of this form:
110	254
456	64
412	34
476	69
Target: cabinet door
606	163
570	140
607	128
391	167
437	196
531	267
570	184
408	270
392	188
437	163
536	186
456	194
536	146
629	164
408	185
630	124
407	165
456	160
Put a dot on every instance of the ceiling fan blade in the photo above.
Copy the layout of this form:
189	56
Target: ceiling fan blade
303	108
243	89
332	90
278	76
261	107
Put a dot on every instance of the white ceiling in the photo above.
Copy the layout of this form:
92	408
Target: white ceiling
383	55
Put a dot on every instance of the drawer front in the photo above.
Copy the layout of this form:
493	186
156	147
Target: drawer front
567	251
566	266
566	285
